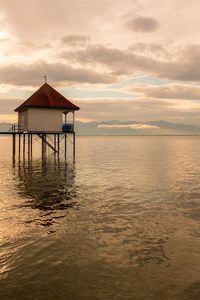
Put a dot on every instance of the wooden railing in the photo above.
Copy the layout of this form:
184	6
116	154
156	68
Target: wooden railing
16	128
68	128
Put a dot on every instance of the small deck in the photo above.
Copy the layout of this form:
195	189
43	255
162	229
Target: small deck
35	132
15	129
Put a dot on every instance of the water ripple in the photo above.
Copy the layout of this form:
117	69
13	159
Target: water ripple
123	223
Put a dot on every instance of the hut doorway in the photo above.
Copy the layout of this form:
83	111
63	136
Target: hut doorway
68	121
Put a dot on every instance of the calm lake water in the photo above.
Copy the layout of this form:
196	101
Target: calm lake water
122	223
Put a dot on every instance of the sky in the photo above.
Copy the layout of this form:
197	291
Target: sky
118	60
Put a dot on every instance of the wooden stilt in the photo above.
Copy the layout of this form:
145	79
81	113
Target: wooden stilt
19	144
55	145
43	144
14	144
58	149
65	145
74	147
24	144
31	145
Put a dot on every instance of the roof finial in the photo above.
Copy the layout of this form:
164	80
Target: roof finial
45	78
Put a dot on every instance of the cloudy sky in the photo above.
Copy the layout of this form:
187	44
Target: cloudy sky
123	60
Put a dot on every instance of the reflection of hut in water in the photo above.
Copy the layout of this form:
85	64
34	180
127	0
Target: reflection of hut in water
47	187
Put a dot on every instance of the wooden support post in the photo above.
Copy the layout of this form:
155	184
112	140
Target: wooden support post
19	144
65	145
74	147
44	145
14	144
55	145
29	146
24	144
73	120
58	149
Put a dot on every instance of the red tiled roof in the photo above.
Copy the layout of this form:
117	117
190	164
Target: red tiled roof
47	97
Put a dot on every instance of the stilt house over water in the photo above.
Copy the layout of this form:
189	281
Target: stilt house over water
46	111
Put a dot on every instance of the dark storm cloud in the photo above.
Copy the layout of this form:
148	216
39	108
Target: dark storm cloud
142	24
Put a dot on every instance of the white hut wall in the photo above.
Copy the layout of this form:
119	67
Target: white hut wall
44	120
23	120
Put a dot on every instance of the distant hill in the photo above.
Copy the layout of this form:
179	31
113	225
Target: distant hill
4	127
115	127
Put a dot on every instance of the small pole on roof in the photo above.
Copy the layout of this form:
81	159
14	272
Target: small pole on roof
45	78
